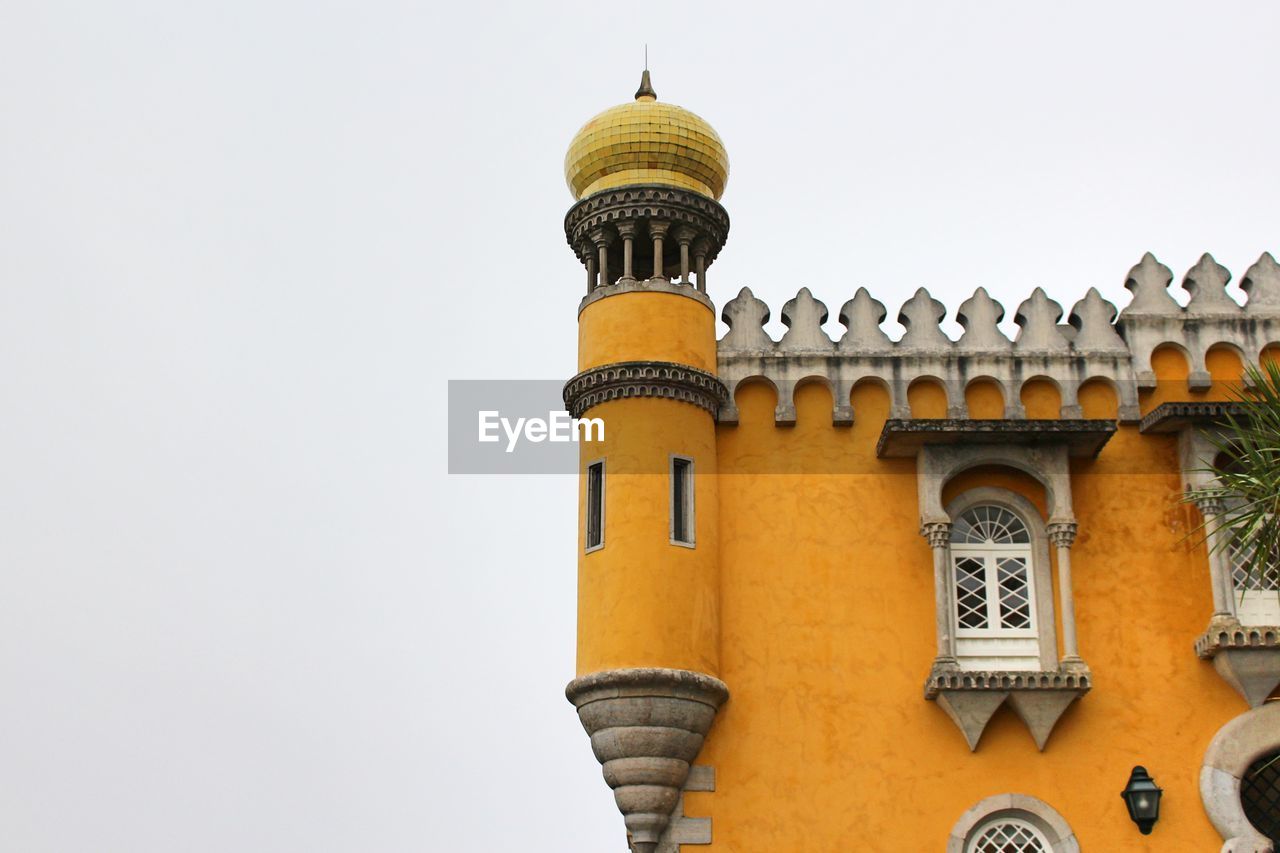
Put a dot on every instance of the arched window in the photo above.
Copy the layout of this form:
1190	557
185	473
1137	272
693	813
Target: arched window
1260	795
995	606
1008	835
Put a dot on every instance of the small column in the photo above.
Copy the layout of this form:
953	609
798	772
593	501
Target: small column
587	254
602	238
1063	534
700	262
1224	599
684	236
938	534
658	230
627	230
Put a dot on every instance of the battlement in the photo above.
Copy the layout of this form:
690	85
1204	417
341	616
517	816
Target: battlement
1096	343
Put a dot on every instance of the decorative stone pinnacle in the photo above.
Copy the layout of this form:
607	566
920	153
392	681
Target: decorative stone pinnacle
1062	533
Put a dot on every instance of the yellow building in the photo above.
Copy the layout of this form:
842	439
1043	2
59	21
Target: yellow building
920	595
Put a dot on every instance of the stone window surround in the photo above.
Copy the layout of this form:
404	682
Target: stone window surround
1233	749
591	549
1035	811
1049	465
691	520
1041	576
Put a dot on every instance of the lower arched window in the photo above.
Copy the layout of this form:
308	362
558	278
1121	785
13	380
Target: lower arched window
1011	823
1260	795
1008	835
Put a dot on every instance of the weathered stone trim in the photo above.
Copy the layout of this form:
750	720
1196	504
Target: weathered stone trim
1035	811
902	438
1215	640
1247	657
1172	417
1006	680
684	829
646	728
1233	749
646	285
971	699
638	202
627	379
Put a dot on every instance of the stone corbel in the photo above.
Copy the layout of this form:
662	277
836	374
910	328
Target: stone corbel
646	728
1247	658
971	699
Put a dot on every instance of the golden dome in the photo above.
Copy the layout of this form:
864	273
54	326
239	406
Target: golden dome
646	142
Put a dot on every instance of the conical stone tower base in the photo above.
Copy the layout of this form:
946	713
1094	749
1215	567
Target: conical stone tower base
646	728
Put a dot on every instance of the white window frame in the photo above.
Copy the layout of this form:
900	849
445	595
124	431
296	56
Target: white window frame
1039	581
690	517
588	548
990	554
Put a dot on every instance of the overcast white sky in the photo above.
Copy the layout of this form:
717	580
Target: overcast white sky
243	245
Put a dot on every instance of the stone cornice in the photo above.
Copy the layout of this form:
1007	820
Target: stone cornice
1171	417
1223	638
665	204
957	679
661	379
646	285
904	437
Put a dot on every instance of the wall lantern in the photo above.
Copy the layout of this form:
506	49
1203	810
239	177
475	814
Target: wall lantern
1142	796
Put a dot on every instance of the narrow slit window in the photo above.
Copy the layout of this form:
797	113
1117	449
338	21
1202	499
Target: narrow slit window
681	500
595	505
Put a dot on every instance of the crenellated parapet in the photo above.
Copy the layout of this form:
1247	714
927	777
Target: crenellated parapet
1096	342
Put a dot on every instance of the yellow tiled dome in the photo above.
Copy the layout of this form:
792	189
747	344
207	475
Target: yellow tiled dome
646	142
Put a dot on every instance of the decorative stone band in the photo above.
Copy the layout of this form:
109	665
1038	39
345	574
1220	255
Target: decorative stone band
1171	417
959	679
970	699
903	438
1246	656
646	728
675	206
626	379
1213	641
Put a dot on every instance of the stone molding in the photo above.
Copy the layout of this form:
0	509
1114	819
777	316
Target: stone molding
901	438
1237	637
1246	656
971	698
646	727
1233	749
1031	809
1172	417
1096	342
635	203
646	285
627	379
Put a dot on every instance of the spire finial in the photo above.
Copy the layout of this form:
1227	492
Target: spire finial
645	92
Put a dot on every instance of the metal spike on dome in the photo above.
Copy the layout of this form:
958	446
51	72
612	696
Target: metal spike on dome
645	92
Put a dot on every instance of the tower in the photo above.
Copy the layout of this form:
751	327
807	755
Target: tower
646	224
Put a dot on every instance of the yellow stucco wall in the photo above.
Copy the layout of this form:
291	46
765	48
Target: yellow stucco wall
827	635
623	328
